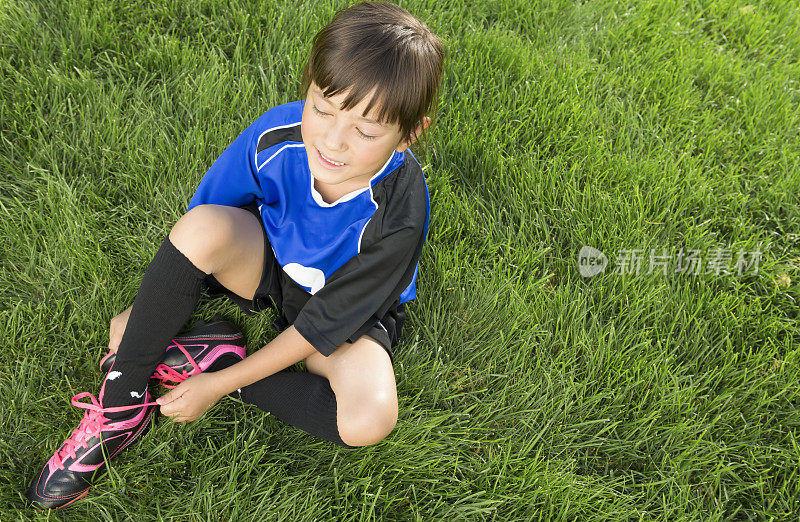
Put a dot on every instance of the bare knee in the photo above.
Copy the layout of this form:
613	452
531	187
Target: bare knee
201	234
370	424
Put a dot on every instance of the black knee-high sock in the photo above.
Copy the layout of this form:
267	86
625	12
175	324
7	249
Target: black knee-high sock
166	299
303	399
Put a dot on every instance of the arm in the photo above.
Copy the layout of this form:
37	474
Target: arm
286	349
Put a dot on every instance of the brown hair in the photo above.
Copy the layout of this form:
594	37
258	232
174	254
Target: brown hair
379	46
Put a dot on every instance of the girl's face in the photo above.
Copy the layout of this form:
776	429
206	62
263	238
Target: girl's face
343	147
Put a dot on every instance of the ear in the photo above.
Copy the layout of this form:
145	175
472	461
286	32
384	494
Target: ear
426	121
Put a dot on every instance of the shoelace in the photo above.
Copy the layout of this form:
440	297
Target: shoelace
167	373
93	420
92	423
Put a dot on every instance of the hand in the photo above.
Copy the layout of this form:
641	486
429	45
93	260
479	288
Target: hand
117	328
191	398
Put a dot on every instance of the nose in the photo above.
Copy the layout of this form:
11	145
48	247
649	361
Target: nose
334	138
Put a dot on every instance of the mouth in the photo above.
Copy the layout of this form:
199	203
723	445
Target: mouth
327	162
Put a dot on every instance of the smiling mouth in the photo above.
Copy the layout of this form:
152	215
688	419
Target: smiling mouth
329	162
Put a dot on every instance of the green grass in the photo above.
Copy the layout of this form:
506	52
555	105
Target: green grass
526	391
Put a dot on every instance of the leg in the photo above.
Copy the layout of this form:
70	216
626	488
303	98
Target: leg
227	242
166	298
362	377
238	266
363	409
208	239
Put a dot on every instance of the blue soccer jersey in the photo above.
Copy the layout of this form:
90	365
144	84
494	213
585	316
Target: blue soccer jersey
355	257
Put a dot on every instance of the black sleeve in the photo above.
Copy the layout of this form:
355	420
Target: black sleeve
357	295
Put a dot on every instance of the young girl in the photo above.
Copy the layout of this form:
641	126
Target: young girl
319	209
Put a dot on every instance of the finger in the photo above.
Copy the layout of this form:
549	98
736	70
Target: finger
172	409
165	400
175	415
171	396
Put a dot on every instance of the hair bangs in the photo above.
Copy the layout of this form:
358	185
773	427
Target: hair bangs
380	52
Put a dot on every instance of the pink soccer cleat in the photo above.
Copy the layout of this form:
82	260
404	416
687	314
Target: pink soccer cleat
66	477
195	351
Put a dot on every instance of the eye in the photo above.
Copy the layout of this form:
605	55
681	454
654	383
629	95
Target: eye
319	111
366	136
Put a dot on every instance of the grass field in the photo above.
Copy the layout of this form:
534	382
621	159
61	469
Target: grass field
526	390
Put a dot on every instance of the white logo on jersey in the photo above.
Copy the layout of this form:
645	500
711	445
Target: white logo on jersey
307	276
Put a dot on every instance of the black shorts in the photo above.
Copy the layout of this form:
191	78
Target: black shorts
280	292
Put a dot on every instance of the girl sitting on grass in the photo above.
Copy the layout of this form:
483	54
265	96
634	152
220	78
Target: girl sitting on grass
318	209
